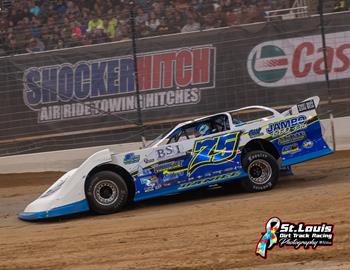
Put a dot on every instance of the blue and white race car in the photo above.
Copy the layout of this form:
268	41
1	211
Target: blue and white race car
252	144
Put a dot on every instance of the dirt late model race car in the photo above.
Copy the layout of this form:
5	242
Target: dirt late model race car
198	153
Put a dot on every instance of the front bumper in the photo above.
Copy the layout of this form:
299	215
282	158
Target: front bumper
73	208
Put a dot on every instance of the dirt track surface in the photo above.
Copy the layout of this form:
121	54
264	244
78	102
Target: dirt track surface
205	229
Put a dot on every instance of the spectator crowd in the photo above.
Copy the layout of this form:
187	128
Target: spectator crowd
38	25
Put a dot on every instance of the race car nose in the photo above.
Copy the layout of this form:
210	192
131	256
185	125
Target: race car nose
42	209
36	210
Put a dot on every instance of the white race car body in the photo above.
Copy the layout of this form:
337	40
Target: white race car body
181	160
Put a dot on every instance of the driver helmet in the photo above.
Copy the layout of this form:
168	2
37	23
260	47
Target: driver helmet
202	130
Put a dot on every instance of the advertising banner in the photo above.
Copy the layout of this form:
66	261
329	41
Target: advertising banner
87	96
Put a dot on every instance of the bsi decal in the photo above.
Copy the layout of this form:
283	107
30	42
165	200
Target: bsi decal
169	151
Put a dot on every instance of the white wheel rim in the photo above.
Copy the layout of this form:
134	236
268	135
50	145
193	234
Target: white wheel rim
106	192
259	171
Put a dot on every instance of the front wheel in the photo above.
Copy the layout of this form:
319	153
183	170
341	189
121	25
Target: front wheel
106	192
262	170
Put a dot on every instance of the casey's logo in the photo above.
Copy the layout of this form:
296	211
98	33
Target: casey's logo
299	60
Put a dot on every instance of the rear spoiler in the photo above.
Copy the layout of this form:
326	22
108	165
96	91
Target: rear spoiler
309	104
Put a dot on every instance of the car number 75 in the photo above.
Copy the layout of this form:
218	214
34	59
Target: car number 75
214	150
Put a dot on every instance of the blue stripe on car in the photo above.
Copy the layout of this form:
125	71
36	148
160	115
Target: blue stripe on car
73	208
305	157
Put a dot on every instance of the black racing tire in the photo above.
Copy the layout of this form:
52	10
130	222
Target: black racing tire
262	169
106	192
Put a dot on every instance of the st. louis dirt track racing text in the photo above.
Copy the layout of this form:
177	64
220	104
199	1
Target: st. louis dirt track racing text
252	144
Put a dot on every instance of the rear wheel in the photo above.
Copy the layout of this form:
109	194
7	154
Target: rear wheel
262	170
106	192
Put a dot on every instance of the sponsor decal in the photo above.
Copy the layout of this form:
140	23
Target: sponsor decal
149	181
290	138
96	87
209	180
255	133
152	188
308	144
144	172
269	64
169	166
286	126
214	150
171	176
278	233
148	160
306	106
131	158
299	60
169	151
290	149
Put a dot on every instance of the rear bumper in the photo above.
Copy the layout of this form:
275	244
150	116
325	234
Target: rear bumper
73	208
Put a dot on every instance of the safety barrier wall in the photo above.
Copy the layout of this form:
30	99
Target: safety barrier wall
83	97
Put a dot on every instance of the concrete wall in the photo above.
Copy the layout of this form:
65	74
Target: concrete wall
56	160
69	159
342	132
